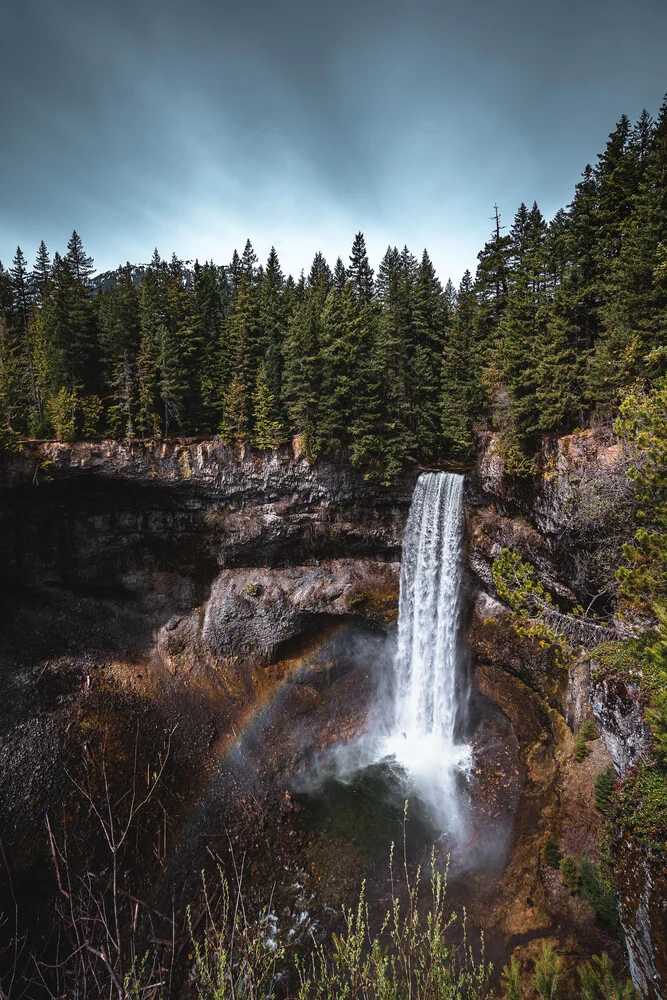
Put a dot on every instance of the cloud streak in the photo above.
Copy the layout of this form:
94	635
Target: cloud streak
298	124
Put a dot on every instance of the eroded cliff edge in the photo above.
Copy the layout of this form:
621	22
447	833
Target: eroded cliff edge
189	572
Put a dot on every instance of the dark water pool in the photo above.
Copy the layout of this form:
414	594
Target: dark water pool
367	809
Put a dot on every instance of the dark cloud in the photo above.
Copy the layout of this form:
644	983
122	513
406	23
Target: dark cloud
193	125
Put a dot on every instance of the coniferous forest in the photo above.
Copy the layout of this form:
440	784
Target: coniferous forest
558	322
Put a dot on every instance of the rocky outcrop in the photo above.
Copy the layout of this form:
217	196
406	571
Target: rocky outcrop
254	612
619	713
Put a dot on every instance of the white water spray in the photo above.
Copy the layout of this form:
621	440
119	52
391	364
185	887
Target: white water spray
428	693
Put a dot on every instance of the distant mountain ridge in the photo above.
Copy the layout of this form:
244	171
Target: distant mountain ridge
105	280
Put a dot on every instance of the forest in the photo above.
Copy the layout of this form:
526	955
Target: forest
559	322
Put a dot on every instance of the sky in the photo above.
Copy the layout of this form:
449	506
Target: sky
193	126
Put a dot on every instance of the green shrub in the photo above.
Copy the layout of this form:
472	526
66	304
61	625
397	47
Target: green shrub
603	790
599	892
547	972
252	589
569	871
589	730
552	855
511	980
580	747
598	981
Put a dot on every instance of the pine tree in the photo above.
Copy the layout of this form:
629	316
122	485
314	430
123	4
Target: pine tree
234	426
12	403
320	276
558	396
424	359
603	790
22	307
458	381
302	374
360	273
580	748
569	871
267	432
120	335
339	276
522	323
552	855
273	325
40	272
81	265
491	291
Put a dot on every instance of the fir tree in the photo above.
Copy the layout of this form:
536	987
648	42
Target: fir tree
120	334
234	426
267	432
457	378
40	273
360	273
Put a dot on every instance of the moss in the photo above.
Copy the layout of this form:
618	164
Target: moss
589	730
252	588
642	806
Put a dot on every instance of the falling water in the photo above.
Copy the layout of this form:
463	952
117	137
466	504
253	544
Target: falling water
411	745
428	689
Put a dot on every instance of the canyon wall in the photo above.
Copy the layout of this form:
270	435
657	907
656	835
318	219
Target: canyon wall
186	564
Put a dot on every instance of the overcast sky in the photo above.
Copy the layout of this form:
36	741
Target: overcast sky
190	126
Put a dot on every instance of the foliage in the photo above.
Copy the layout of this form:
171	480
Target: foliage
603	790
599	983
408	956
569	871
589	730
548	968
641	807
643	422
580	747
552	855
599	892
532	607
511	980
561	323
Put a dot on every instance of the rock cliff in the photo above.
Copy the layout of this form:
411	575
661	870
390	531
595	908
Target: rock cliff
191	571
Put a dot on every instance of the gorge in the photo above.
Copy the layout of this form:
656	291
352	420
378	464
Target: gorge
246	604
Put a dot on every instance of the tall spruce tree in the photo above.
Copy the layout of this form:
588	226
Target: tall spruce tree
120	335
458	377
360	273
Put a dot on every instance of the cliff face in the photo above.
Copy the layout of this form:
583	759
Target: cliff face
188	571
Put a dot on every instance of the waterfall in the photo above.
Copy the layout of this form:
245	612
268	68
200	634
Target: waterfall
427	685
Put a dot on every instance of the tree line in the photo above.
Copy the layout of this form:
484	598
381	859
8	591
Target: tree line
559	322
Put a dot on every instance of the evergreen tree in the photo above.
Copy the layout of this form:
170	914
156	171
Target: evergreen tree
302	373
360	273
424	360
522	323
603	790
458	380
491	291
570	874
339	276
81	265
273	325
11	396
40	273
234	426
267	432
120	334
